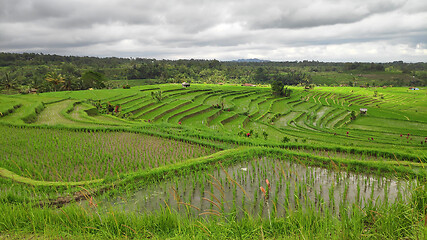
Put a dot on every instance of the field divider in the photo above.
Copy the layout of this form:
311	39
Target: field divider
213	116
227	120
31	113
10	110
15	177
134	112
141	115
170	110
195	113
118	100
183	113
151	89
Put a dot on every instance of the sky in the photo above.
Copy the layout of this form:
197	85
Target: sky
277	30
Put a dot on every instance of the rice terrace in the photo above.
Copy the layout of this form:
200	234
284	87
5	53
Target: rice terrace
150	157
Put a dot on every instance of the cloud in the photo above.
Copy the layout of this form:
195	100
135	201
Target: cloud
224	29
307	13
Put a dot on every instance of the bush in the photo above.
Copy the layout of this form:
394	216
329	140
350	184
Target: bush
265	135
157	95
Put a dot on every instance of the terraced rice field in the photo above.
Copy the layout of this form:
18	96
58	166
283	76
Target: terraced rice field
316	114
165	161
306	111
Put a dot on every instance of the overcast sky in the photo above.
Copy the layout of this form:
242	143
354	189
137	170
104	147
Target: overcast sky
280	30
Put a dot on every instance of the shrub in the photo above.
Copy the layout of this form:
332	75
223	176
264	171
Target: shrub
265	135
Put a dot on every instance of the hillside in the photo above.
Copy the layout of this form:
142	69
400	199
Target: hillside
206	159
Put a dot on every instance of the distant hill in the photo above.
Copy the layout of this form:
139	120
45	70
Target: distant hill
251	60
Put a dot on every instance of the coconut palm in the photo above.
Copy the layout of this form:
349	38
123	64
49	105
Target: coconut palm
67	86
8	83
55	79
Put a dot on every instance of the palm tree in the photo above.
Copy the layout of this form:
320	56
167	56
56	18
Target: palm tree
55	79
8	83
67	86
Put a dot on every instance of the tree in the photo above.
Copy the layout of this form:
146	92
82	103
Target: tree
92	79
277	88
287	92
55	79
67	86
260	75
69	69
8	82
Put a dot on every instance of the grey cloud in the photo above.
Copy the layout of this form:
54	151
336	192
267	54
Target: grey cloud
76	14
306	13
84	14
27	10
215	29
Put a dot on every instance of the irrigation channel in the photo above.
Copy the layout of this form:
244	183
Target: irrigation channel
236	190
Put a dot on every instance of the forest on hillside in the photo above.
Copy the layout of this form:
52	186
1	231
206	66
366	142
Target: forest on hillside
21	72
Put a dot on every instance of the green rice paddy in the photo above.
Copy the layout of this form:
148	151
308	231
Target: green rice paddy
215	162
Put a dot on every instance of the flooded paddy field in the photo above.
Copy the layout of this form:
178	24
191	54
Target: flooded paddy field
264	187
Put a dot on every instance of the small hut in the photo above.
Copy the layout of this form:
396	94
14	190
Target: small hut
363	111
185	84
32	91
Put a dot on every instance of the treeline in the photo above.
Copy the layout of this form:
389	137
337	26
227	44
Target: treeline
37	59
30	71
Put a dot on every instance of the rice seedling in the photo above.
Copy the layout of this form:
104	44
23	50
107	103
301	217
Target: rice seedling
301	188
61	155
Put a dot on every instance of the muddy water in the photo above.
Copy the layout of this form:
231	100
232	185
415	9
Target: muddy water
292	186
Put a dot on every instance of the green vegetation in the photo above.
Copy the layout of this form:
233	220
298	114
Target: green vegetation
59	155
214	161
30	72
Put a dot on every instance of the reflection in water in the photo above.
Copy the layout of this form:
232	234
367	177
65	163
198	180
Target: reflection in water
292	186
